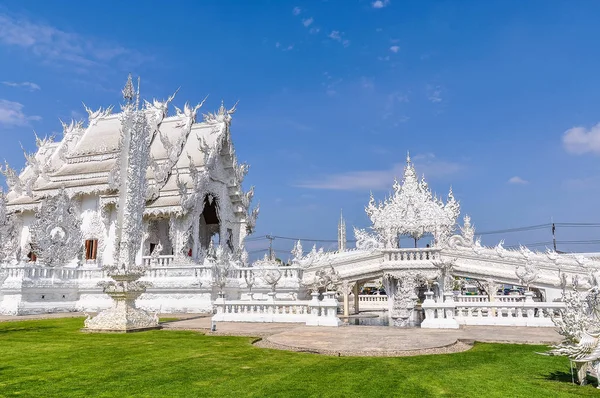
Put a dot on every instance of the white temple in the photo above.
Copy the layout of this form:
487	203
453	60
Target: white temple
61	210
142	194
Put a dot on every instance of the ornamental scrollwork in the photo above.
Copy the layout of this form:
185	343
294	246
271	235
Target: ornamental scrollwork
56	236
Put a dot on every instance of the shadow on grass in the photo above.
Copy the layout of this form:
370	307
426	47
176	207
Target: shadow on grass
563	377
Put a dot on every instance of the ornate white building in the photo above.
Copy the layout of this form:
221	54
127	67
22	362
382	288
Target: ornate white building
57	221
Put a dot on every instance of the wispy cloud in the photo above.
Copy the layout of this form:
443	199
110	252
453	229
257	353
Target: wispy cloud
307	22
367	83
26	85
56	46
579	140
296	11
330	84
380	3
434	93
395	49
516	180
338	36
392	101
365	180
289	47
11	114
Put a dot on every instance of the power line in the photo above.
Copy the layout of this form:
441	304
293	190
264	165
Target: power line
492	232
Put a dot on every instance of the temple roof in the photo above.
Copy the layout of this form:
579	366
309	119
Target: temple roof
87	157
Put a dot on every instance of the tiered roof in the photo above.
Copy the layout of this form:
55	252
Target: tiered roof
184	155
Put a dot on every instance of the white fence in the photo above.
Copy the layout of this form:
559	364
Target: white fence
416	254
310	312
368	302
450	313
158	261
486	299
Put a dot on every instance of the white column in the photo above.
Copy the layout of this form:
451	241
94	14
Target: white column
356	306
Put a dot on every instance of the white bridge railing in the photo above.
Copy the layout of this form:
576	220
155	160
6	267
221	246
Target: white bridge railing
480	298
416	254
310	312
450	314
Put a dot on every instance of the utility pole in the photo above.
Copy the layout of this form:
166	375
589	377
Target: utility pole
271	238
553	234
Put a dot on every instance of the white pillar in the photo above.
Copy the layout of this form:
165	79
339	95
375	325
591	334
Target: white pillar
356	306
346	303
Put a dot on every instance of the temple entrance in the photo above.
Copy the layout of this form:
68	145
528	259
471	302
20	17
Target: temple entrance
210	224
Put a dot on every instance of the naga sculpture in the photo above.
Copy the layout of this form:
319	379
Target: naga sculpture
579	324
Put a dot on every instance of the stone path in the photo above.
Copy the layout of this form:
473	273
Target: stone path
350	340
370	340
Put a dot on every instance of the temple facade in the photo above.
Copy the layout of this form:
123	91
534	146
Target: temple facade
59	215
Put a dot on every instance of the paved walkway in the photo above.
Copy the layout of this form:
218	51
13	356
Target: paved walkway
350	340
370	340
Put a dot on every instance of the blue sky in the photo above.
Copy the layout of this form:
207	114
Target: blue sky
496	98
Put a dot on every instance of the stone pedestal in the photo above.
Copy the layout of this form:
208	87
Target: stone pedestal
123	316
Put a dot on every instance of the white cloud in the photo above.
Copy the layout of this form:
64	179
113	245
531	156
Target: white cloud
517	181
382	179
579	140
367	83
26	85
60	47
434	93
380	3
314	31
296	10
11	114
307	22
335	35
394	49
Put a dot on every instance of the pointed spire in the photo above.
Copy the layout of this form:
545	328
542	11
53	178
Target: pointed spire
342	233
137	95
407	157
128	91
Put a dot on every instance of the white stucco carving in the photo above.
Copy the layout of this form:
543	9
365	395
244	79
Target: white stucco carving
56	236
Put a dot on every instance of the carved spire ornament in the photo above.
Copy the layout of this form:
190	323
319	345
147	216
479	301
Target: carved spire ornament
136	137
412	210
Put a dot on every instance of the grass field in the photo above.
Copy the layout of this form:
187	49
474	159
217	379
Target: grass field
52	358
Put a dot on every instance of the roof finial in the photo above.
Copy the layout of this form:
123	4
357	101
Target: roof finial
137	95
407	157
128	91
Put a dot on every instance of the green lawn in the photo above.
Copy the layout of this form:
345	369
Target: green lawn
54	359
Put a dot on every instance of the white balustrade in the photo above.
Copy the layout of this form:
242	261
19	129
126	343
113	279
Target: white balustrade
368	302
416	254
484	313
311	312
159	261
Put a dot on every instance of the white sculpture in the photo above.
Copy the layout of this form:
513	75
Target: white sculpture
125	288
412	210
56	236
579	324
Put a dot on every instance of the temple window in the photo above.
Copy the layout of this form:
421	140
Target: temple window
91	249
